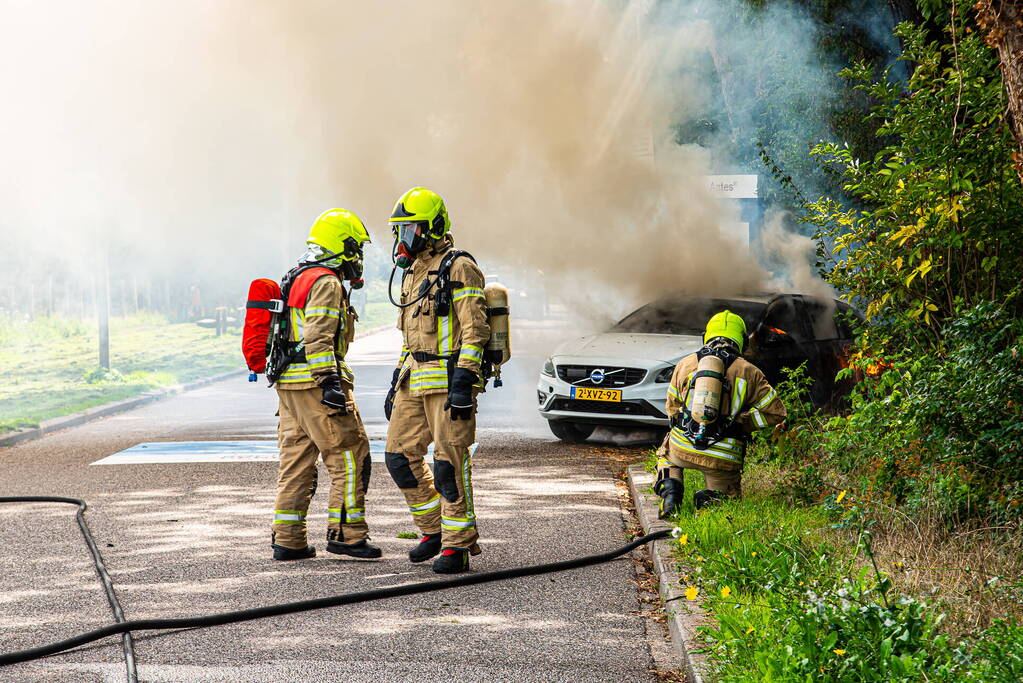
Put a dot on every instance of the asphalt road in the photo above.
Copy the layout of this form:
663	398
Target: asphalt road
193	538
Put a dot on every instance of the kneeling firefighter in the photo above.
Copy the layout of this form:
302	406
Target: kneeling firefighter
308	341
443	319
716	399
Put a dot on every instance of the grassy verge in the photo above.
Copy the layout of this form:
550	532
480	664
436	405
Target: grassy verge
50	366
378	314
799	593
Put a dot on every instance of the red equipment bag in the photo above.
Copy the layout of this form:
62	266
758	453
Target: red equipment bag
264	300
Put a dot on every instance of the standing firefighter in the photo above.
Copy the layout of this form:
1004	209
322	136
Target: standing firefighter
715	401
443	318
317	407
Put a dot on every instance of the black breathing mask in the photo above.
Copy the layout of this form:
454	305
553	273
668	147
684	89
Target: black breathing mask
410	239
352	271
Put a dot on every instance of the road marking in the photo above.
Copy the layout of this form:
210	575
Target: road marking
165	452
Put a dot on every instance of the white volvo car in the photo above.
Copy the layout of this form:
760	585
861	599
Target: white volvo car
620	377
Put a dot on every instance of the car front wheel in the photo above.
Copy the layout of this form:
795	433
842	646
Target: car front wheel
570	432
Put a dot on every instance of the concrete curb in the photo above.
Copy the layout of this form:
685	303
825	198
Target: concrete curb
683	617
76	419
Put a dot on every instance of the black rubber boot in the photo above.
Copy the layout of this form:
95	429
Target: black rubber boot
362	550
429	546
283	554
452	561
706	498
671	491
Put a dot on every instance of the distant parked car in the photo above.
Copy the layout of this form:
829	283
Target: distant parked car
620	377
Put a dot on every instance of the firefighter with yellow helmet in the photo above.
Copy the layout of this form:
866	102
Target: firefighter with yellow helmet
443	319
318	416
716	399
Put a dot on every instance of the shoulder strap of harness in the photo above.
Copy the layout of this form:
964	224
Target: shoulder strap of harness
445	285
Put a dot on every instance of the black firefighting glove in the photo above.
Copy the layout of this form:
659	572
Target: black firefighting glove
460	394
333	397
389	399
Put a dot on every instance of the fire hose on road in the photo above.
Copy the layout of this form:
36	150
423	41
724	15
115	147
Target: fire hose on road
125	628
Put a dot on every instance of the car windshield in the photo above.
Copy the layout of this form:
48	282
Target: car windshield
686	315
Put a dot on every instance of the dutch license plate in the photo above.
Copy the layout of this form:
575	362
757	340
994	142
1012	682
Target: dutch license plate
588	394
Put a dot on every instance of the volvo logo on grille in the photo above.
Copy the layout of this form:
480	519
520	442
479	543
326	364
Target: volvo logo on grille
597	376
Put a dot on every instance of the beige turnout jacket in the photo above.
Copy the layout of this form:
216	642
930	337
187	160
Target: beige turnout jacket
325	326
751	402
464	330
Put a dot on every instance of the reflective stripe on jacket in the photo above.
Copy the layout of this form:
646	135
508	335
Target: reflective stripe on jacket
325	326
752	403
464	328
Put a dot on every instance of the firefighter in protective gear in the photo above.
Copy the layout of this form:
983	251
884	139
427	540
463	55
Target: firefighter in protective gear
318	416
747	403
436	381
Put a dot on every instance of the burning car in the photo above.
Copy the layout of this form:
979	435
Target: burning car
620	377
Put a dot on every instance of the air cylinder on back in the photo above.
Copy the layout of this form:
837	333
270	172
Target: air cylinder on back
707	390
499	346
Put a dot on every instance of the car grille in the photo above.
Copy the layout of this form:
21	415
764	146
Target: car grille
574	405
622	377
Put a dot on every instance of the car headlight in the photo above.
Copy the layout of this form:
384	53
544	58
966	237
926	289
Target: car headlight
665	375
548	367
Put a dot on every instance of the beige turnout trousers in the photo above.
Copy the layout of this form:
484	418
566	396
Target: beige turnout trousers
440	501
309	429
728	482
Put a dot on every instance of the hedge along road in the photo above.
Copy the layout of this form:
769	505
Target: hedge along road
183	539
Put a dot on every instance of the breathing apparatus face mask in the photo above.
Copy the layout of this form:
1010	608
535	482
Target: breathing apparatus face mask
348	264
410	238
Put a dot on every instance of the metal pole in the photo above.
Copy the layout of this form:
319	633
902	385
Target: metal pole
103	310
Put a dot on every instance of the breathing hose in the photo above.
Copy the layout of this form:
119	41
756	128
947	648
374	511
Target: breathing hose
125	628
390	290
104	577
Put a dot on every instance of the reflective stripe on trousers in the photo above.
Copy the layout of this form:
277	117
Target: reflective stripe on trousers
423	508
289	517
725	449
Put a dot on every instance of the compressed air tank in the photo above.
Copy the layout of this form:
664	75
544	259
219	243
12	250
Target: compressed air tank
499	346
707	390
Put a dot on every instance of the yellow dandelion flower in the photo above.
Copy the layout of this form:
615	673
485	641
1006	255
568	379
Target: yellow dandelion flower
839	652
726	591
840	496
754	553
691	593
683	539
750	630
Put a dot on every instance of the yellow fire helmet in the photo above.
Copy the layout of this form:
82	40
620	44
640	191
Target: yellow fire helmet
420	205
338	231
729	325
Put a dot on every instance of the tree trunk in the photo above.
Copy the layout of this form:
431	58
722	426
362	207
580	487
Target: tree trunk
905	10
1002	24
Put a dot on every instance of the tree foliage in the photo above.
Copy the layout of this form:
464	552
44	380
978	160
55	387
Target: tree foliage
934	227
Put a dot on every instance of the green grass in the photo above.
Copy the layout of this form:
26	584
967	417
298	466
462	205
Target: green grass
796	595
378	314
407	534
50	366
